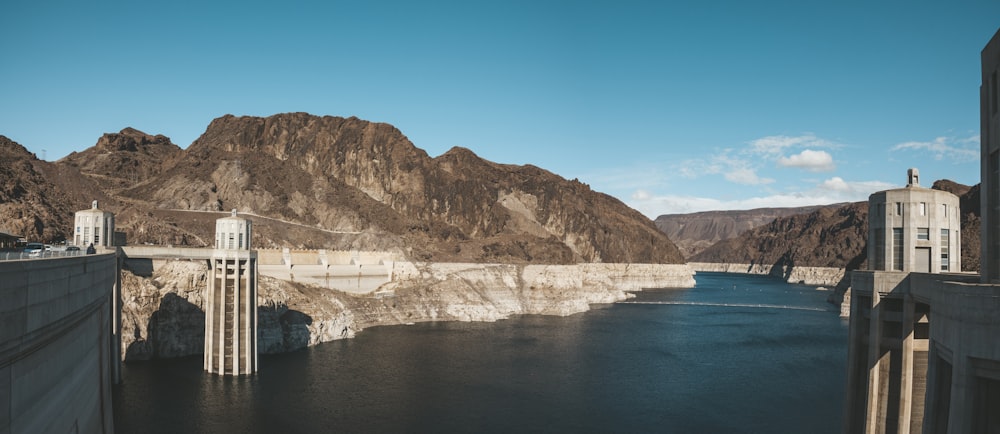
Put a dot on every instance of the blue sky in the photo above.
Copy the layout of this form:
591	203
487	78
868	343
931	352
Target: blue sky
671	107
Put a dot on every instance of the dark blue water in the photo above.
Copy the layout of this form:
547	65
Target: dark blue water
736	354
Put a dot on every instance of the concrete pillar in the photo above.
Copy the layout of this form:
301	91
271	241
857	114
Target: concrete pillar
116	319
231	313
874	368
906	373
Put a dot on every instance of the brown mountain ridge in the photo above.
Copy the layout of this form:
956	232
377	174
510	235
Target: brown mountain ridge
38	198
695	232
345	183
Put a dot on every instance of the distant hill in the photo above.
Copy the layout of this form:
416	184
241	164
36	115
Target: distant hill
826	237
695	232
38	198
124	159
833	237
345	183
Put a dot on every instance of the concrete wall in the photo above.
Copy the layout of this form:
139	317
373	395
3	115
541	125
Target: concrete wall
989	140
923	354
168	252
323	257
56	344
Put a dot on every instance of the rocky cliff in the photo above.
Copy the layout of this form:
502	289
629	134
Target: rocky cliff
695	232
38	198
124	159
827	237
348	176
326	182
163	312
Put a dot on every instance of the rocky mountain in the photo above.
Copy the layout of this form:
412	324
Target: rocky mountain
827	237
124	159
326	182
832	237
38	198
695	232
346	177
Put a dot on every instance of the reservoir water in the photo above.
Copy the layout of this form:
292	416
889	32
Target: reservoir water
736	354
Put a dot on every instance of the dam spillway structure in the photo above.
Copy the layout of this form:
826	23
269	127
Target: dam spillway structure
231	300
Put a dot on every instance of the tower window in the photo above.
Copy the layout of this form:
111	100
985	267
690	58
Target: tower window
945	244
923	234
879	260
897	249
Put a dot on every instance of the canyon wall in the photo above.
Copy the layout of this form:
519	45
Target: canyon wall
163	315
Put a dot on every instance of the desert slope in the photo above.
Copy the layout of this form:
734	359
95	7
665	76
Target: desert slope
348	175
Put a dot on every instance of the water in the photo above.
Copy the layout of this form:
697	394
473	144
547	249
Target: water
737	354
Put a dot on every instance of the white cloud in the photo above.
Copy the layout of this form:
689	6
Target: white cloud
851	191
641	195
813	161
829	191
744	165
835	184
959	150
775	145
745	176
733	169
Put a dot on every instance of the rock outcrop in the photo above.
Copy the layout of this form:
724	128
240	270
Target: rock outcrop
353	176
124	159
828	237
38	198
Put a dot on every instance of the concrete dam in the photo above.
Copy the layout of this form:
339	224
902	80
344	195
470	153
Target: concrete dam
58	346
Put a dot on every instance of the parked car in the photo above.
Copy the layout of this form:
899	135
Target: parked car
72	248
34	250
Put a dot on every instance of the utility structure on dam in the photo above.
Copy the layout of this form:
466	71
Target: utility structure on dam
94	226
924	352
231	300
914	229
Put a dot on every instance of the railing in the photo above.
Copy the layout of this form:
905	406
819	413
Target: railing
19	255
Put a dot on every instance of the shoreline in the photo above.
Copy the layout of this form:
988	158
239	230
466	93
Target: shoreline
163	316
